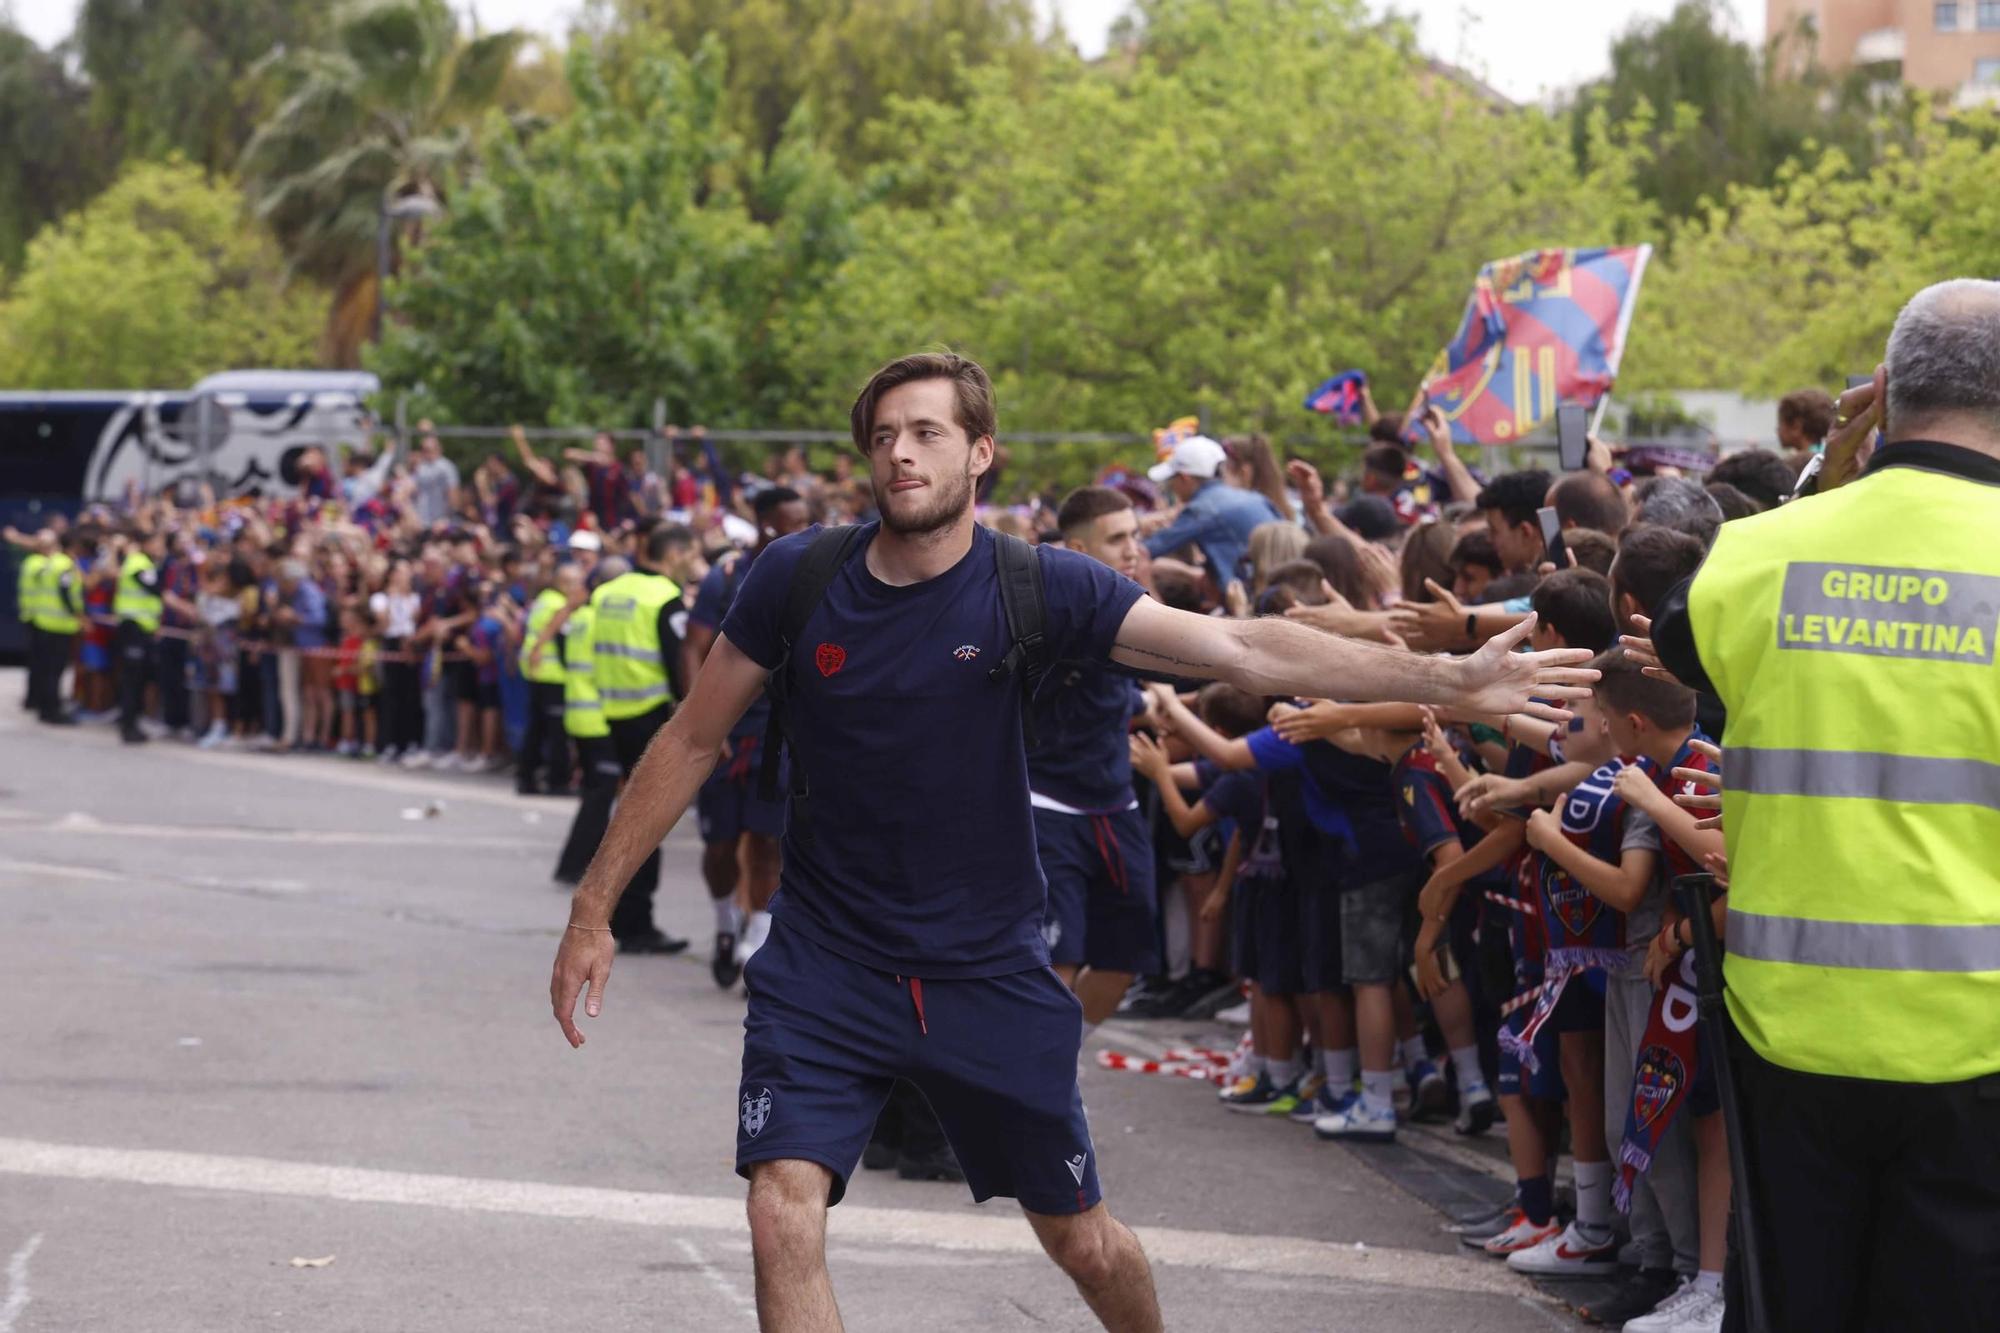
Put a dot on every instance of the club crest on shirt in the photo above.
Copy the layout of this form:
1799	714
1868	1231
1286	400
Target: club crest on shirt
829	658
756	1111
1658	1077
965	652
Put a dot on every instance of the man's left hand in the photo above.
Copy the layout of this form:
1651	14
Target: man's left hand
1496	679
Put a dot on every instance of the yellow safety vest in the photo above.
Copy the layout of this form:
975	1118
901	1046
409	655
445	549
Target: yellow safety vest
133	602
1852	638
58	614
540	612
583	711
28	593
625	643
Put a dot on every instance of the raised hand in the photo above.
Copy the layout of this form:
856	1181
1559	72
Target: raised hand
1431	626
1639	648
1499	680
1696	777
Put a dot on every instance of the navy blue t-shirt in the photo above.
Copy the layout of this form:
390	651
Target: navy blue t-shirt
1082	714
712	600
922	857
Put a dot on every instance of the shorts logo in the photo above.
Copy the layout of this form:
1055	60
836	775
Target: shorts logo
965	652
1052	932
756	1111
1075	1165
829	658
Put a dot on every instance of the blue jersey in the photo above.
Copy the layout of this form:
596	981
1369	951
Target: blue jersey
1243	800
1425	804
921	859
712	599
1082	757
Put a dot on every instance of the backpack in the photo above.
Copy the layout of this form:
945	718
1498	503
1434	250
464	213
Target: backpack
1026	659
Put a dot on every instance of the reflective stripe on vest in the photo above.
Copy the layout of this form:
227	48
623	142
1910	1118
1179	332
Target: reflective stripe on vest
1851	636
133	602
583	711
549	671
57	616
630	677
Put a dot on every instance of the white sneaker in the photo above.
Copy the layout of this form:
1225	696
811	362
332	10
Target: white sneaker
1701	1315
448	762
1669	1314
1570	1254
479	763
211	738
1239	1014
417	758
756	931
1358	1121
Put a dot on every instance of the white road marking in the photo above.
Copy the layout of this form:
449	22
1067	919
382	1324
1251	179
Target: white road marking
719	1280
17	1283
1000	1232
79	824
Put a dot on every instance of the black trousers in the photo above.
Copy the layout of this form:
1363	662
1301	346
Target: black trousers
402	701
170	663
1878	1203
52	652
545	746
593	812
135	667
32	700
634	914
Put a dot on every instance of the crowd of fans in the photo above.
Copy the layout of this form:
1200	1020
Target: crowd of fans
1385	881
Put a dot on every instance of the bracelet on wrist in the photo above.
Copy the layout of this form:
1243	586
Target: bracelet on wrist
604	930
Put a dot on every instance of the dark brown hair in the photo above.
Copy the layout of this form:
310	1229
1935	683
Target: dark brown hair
1622	688
975	412
1086	504
1812	409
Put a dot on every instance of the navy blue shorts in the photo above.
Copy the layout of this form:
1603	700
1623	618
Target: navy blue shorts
728	806
1102	910
996	1056
1274	924
1319	939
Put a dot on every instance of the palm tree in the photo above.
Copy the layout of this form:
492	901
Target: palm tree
388	109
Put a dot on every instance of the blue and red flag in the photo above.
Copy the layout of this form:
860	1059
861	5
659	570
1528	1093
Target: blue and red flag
1541	328
1339	397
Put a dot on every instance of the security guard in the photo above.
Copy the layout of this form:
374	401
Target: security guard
1852	637
28	604
636	623
59	606
544	746
583	720
137	608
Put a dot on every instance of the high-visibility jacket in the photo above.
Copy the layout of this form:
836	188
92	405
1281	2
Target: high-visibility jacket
583	711
133	602
1852	638
540	612
625	643
59	604
28	587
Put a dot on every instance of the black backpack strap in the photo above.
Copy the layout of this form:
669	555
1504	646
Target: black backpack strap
1021	592
811	577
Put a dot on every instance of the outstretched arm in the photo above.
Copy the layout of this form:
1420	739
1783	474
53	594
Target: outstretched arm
1270	655
659	791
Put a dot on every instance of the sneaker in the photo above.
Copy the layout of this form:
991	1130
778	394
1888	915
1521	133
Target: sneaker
1358	1121
479	763
1476	1110
416	758
1643	1292
211	738
1699	1312
1308	1109
1238	1014
345	749
652	942
723	966
1571	1253
1430	1095
1250	1094
1286	1102
1523	1235
1474	1232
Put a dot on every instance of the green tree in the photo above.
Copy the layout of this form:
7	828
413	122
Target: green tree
179	75
388	109
158	281
50	160
637	250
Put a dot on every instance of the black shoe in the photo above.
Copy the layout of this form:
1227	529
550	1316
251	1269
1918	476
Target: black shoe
1169	1000
723	966
1640	1294
526	791
651	942
938	1164
553	791
59	720
134	737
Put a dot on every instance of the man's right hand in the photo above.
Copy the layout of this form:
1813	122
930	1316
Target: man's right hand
583	958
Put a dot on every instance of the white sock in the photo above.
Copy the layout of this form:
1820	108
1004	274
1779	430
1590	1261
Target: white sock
1258	1065
726	920
758	928
1378	1090
1319	1061
1708	1283
1284	1072
1340	1067
1593	1194
1412	1050
1465	1059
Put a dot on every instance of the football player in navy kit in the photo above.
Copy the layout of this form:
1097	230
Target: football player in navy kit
906	937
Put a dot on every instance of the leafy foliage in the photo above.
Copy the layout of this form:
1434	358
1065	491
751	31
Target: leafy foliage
50	159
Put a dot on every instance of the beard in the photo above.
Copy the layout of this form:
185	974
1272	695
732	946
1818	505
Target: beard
946	502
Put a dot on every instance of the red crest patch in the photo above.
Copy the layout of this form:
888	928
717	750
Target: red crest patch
829	658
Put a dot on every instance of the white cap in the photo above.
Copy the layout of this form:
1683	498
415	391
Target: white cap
585	541
1196	456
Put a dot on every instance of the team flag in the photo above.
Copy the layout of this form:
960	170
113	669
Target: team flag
1171	434
1339	397
1541	328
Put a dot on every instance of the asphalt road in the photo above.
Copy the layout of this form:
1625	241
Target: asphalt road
255	1015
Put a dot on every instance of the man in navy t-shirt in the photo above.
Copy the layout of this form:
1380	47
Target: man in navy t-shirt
906	936
1093	842
739	830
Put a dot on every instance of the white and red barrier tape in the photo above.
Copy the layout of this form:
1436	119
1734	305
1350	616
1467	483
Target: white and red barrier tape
1195	1062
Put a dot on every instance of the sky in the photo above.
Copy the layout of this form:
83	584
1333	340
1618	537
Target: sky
1525	48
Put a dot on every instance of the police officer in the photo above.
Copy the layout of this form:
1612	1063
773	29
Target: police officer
59	618
544	746
636	624
28	602
583	720
1851	636
137	607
